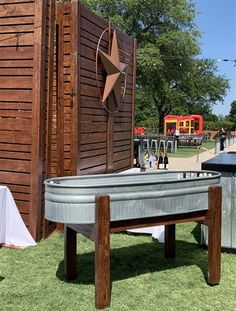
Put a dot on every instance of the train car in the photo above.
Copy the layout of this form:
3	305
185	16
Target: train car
185	125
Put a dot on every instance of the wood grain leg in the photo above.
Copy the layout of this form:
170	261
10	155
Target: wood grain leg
170	241
214	235
70	254
102	253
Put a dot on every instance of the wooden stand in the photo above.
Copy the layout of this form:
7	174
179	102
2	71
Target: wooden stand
99	232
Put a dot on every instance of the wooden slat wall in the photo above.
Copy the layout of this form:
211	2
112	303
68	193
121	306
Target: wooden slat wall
49	87
90	139
64	90
24	104
54	153
124	120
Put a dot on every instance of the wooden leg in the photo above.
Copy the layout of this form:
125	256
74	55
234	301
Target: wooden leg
214	234
102	253
170	241
70	254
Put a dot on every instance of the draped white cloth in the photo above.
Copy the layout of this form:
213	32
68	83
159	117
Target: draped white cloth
157	232
13	231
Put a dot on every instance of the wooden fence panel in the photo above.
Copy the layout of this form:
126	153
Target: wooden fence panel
25	46
52	121
89	139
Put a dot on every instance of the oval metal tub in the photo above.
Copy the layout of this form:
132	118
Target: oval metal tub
71	200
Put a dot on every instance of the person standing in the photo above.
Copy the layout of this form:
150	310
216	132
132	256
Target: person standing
222	139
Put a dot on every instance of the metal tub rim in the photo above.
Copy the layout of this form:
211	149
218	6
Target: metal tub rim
106	179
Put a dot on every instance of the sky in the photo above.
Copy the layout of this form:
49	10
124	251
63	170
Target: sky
216	19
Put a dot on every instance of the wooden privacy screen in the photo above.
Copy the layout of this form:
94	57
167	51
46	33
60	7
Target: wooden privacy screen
88	139
26	36
51	127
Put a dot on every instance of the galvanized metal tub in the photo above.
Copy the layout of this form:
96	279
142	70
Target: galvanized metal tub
71	200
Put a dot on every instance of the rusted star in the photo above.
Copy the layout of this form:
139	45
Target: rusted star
114	69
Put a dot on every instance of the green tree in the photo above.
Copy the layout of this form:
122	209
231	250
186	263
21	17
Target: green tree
232	112
170	78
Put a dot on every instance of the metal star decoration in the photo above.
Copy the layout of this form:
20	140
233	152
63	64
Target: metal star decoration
114	69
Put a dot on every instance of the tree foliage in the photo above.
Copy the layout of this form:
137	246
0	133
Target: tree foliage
232	112
170	78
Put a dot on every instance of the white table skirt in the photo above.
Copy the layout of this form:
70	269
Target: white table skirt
13	231
157	232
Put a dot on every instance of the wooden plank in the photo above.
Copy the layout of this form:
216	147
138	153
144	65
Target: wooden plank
96	111
15	165
122	135
15	138
16	82
60	91
102	252
92	153
16	63
92	146
93	161
93	127
15	28
91	102
88	65
122	148
91	40
101	169
121	165
16	40
15	114
18	9
96	20
17	95
93	117
92	138
15	178
90	78
214	215
15	147
124	142
17	20
12	55
122	155
23	206
15	1
50	104
14	155
15	124
38	123
16	71
122	127
20	190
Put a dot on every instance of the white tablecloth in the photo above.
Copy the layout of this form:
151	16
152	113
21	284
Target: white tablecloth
13	231
157	232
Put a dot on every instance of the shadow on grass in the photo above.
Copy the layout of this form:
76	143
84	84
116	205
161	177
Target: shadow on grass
196	232
138	259
2	278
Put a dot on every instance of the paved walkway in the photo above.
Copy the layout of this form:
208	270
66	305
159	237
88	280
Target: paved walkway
195	162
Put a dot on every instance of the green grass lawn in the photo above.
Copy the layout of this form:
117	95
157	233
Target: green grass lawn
185	152
142	279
